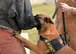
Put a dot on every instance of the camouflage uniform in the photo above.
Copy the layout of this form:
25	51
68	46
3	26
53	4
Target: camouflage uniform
17	15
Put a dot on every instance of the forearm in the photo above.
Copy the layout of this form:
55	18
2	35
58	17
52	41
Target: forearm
66	50
72	10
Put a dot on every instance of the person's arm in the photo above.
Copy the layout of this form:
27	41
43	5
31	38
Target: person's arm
73	10
67	8
66	50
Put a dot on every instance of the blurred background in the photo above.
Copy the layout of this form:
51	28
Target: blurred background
39	6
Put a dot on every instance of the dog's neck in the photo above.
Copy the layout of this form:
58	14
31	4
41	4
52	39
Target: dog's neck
49	31
44	27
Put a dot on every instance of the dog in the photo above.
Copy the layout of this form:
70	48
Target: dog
46	30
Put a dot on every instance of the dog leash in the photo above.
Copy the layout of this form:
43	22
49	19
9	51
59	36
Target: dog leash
64	26
55	9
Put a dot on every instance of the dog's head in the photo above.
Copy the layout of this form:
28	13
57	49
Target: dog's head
42	20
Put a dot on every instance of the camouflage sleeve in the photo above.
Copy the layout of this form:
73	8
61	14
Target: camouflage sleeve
25	17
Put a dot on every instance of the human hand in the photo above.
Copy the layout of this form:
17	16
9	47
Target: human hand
65	7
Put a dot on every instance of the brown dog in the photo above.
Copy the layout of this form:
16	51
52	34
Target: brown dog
47	29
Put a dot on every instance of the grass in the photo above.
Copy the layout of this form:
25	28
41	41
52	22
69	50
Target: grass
42	8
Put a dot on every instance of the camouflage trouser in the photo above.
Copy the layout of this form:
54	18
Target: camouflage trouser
9	44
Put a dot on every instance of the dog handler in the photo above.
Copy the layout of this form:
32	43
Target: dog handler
15	15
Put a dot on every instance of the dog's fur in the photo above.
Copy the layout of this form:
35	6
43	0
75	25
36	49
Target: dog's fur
47	29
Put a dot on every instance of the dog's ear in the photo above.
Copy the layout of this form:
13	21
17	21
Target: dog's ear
48	20
38	26
36	17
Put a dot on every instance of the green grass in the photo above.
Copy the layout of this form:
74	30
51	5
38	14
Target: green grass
42	8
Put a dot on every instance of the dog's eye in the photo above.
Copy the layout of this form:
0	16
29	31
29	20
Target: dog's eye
45	19
48	20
